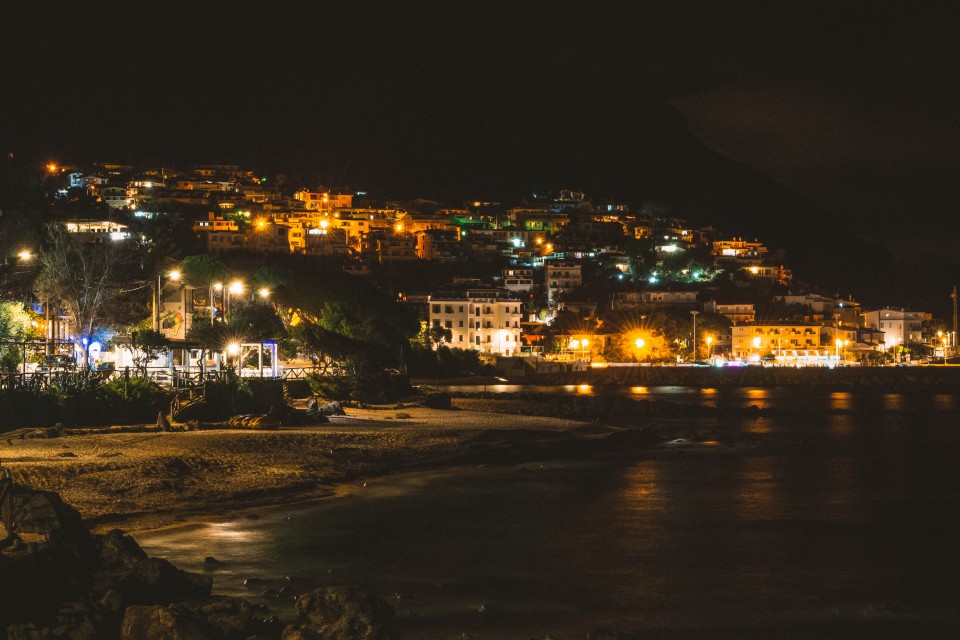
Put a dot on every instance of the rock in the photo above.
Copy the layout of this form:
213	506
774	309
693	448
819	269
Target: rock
333	408
210	562
439	400
170	622
25	511
119	550
75	620
125	567
232	617
342	613
112	601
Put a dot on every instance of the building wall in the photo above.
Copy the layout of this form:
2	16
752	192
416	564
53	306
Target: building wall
755	339
485	324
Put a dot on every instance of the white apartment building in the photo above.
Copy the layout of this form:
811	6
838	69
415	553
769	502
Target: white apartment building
899	326
562	277
519	280
486	320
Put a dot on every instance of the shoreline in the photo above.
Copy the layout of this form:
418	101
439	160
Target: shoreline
147	481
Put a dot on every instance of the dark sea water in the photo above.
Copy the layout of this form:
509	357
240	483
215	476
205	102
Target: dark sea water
837	519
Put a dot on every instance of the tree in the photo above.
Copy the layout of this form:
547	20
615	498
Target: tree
80	277
147	345
15	325
438	335
203	270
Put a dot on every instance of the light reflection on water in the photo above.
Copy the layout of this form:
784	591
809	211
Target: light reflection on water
841	401
795	535
798	399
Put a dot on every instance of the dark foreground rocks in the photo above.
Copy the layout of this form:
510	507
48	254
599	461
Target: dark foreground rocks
58	580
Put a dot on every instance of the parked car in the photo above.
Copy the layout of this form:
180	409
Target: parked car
58	364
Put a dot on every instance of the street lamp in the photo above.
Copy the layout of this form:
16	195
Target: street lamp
214	286
234	288
158	289
233	349
709	346
25	255
837	344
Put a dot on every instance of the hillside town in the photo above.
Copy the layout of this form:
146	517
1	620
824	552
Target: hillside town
549	282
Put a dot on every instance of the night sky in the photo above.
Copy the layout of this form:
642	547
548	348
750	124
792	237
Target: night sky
853	108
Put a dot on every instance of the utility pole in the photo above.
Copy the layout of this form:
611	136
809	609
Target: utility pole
694	314
954	296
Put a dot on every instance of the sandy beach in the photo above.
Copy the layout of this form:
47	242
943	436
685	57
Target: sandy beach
147	480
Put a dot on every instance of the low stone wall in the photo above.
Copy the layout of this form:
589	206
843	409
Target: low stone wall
842	377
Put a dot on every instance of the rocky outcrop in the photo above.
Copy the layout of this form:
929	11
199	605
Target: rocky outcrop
57	580
221	618
341	613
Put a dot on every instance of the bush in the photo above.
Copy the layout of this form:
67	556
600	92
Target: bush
82	400
446	362
379	388
227	397
28	406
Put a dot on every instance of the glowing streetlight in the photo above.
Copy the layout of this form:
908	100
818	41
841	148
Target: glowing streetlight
234	288
837	343
756	342
639	343
174	275
52	167
709	346
25	255
264	293
214	286
233	348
